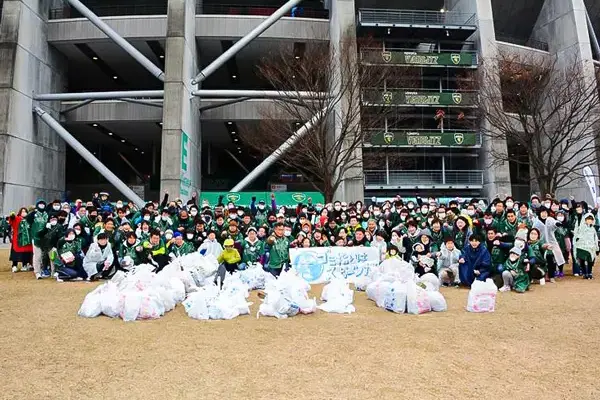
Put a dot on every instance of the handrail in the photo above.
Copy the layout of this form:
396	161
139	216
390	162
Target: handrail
391	89
532	43
414	50
415	17
245	9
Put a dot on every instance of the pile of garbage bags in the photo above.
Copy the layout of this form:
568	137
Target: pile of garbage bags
212	302
396	288
338	297
140	293
482	297
287	296
255	276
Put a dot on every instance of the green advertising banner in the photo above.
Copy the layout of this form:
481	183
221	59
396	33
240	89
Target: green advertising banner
413	58
412	138
419	98
185	175
245	198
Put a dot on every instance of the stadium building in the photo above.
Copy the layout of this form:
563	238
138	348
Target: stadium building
165	133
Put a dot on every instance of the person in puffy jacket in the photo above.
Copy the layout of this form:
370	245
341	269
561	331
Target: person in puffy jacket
229	260
475	262
99	259
211	245
447	263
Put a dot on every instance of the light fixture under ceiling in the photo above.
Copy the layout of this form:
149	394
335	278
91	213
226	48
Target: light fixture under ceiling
110	133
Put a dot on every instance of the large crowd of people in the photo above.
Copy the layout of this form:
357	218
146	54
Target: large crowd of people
513	243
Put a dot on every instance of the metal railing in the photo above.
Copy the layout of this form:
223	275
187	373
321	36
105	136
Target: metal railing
534	44
424	178
414	17
245	9
161	9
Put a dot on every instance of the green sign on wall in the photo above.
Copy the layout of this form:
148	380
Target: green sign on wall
435	139
245	198
413	58
419	98
185	175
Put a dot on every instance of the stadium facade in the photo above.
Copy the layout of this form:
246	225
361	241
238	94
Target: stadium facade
180	142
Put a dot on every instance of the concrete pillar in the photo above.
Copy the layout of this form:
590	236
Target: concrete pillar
562	24
496	176
181	137
342	26
32	156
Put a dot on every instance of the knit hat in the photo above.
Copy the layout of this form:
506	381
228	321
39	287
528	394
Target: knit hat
177	235
516	250
521	234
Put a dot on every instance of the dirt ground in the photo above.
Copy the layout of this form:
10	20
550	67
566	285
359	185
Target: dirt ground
541	345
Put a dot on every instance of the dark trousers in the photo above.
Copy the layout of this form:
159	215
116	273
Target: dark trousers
551	265
586	267
162	260
72	271
224	269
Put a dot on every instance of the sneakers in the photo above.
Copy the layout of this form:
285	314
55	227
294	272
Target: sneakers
24	268
45	273
575	274
505	289
15	269
38	276
78	279
542	281
561	274
552	280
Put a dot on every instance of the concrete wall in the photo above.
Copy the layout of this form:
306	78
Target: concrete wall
496	177
562	24
206	26
31	155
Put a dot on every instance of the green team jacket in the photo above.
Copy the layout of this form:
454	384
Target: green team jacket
279	252
136	256
508	228
65	247
253	251
536	251
521	281
186	248
38	221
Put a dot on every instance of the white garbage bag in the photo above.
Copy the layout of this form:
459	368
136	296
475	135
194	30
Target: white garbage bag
131	302
395	297
482	297
195	305
437	301
431	282
151	306
109	300
338	297
376	291
417	301
92	306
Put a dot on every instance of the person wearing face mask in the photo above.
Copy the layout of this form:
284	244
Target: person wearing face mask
164	221
515	275
190	236
586	241
68	262
21	250
481	226
37	219
89	219
421	217
99	259
54	232
232	232
279	249
509	202
253	249
143	232
180	247
184	222
82	236
535	202
563	237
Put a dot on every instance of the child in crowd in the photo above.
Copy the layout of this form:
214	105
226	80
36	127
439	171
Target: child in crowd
515	274
447	263
586	243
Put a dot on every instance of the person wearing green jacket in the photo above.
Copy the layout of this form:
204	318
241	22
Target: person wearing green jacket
253	249
509	225
37	220
179	247
68	262
515	274
133	249
536	256
279	250
156	251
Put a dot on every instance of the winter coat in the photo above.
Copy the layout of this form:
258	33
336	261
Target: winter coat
279	251
521	280
229	256
96	255
21	238
64	247
138	257
253	251
185	249
586	242
547	231
37	220
475	260
448	259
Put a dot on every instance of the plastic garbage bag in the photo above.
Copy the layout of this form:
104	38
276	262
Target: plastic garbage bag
431	282
339	297
151	306
482	297
132	301
376	291
177	289
195	305
395	297
91	306
362	282
417	301
109	300
437	301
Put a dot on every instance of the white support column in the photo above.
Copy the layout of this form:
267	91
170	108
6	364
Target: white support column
444	170
387	169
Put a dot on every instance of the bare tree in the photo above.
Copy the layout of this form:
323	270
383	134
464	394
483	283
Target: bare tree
330	153
549	111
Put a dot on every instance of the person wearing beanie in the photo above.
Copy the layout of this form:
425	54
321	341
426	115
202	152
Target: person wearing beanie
514	275
447	263
180	247
475	261
99	259
68	262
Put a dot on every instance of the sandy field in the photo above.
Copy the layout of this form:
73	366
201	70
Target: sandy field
541	345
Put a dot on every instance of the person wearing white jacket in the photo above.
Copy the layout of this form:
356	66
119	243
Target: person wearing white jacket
447	263
211	246
99	259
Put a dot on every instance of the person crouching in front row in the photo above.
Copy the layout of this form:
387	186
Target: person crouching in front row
447	259
99	259
68	263
229	260
515	274
475	262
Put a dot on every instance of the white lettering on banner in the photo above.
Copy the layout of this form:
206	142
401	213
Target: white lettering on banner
321	264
